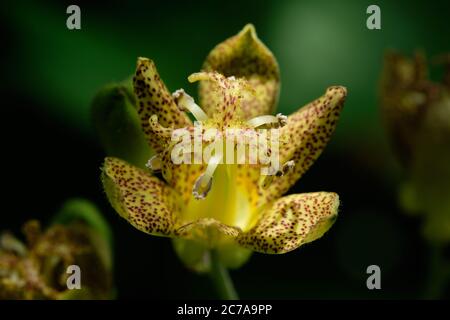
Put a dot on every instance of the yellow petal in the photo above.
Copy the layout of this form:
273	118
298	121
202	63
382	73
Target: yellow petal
291	222
284	226
208	230
145	201
305	136
244	55
204	234
154	98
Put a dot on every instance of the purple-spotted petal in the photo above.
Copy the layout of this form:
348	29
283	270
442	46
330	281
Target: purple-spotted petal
291	222
145	201
245	56
304	138
153	98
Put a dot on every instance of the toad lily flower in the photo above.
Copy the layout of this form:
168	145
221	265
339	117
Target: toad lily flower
416	109
230	208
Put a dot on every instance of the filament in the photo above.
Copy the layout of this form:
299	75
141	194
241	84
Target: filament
186	102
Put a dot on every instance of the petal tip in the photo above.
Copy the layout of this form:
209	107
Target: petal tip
249	29
335	203
110	164
107	163
142	62
143	59
337	91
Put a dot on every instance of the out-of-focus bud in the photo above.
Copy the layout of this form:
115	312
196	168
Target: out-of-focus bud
117	124
444	60
417	115
405	95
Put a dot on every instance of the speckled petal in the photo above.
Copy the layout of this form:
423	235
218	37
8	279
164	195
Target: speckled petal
154	98
305	136
291	222
244	55
208	230
145	201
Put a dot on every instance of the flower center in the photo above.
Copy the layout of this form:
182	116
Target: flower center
217	192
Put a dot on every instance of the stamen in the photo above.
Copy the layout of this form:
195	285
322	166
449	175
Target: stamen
288	166
186	103
285	169
282	119
279	119
154	163
203	184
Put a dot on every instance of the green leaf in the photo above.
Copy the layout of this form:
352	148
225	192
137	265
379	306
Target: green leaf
82	210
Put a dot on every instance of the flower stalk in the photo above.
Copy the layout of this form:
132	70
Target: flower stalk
221	278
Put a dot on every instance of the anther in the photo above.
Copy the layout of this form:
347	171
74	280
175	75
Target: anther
279	119
186	103
285	169
154	163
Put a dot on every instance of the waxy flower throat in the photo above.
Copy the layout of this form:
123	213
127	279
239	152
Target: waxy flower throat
225	173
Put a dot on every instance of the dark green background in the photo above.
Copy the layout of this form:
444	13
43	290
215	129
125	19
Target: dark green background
50	153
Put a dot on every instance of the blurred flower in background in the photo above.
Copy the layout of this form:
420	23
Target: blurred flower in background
416	111
37	269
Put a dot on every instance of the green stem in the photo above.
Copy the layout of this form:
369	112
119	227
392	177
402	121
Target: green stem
437	275
221	279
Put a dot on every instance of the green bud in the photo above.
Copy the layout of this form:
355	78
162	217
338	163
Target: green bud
117	124
84	211
196	255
